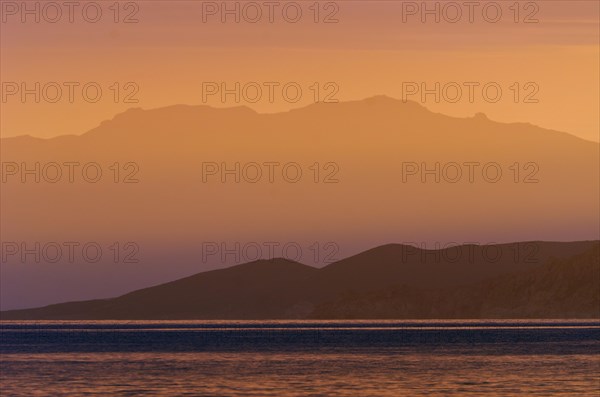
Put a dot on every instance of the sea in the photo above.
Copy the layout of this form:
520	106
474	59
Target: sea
300	358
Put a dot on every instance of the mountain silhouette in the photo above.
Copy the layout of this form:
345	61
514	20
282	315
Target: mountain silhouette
379	283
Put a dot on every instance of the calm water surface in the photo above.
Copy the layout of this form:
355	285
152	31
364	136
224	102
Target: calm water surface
283	358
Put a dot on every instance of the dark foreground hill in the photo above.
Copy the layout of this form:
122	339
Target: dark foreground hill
519	280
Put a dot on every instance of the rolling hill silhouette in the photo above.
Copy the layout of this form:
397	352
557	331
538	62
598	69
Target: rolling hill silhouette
380	283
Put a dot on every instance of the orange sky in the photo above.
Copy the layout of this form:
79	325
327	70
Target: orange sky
170	52
170	56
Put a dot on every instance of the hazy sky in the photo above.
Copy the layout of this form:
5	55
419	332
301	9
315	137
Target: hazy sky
528	62
543	55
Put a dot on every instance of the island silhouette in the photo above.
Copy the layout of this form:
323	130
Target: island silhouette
388	282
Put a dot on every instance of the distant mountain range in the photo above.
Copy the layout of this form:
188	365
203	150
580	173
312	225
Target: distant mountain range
361	149
560	280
